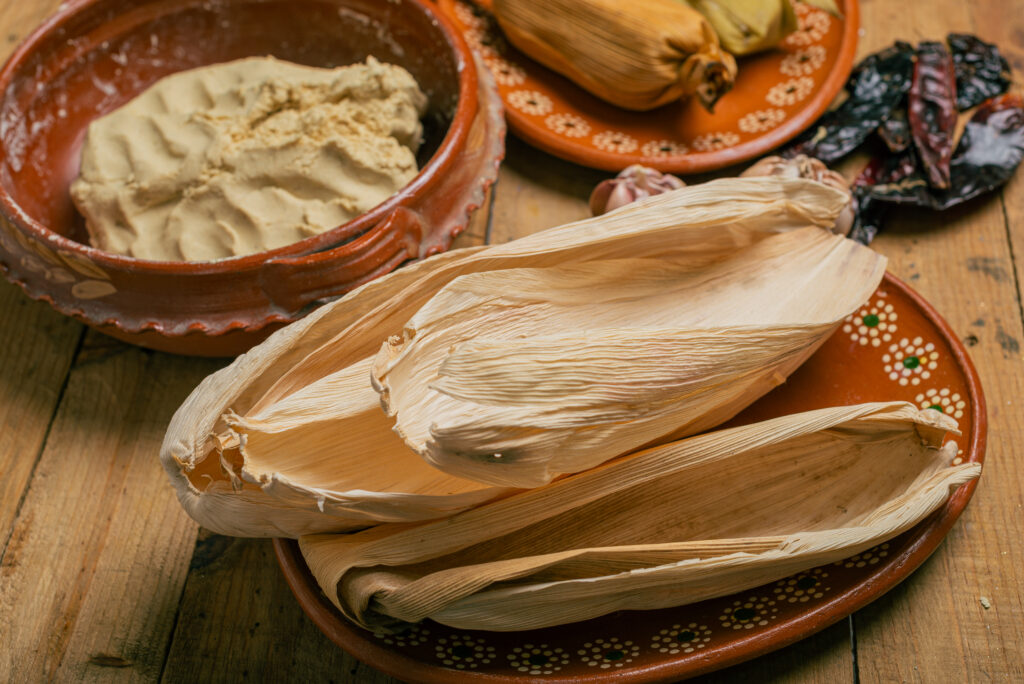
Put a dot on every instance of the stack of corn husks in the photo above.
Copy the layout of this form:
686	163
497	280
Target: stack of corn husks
502	437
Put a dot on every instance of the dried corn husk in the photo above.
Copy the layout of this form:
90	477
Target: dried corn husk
829	6
702	517
802	166
747	26
635	55
514	377
288	441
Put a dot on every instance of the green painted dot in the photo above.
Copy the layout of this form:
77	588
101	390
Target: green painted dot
614	655
871	320
806	582
687	635
461	651
937	408
911	362
744	614
539	659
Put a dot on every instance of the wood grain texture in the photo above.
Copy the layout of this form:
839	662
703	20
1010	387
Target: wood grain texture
240	622
104	578
537	191
91	579
38	345
934	627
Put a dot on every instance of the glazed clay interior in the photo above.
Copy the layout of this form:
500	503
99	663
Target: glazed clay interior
117	48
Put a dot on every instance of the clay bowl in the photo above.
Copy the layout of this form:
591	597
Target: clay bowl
95	55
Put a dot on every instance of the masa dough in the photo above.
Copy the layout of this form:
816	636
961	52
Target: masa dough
246	156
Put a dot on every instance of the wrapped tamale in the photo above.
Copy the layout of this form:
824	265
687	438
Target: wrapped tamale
635	55
747	26
290	439
694	519
518	376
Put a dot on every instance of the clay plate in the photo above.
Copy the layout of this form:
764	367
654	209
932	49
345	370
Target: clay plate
777	95
896	347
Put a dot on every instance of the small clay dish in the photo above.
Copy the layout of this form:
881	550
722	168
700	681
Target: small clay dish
95	55
777	95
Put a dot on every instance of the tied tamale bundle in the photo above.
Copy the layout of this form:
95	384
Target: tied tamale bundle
687	521
635	55
290	439
514	377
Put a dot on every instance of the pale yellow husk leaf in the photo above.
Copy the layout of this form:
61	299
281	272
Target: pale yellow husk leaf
514	377
694	519
288	440
635	55
748	26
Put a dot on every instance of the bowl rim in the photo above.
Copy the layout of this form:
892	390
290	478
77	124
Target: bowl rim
427	176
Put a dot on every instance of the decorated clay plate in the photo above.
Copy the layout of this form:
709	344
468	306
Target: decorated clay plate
777	95
896	347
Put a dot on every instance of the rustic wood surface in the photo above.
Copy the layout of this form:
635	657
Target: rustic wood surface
103	577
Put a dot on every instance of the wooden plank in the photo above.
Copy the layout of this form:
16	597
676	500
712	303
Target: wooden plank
537	191
90	581
934	627
38	345
239	621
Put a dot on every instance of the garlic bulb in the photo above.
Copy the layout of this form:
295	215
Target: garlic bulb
633	183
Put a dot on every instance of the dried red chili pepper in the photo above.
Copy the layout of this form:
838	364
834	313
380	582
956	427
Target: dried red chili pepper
932	110
981	72
876	87
990	150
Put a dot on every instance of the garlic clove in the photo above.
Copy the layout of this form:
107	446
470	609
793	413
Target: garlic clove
633	183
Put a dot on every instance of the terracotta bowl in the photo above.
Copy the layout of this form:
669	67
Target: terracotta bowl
95	55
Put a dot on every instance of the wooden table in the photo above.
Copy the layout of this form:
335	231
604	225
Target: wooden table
104	577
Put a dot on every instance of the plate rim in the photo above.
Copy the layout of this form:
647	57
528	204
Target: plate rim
928	535
700	162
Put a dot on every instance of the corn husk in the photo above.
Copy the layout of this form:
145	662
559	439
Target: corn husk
515	377
802	166
829	6
702	517
748	26
635	55
288	440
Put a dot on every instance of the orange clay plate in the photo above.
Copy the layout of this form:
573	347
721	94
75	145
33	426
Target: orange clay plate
777	95
895	347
